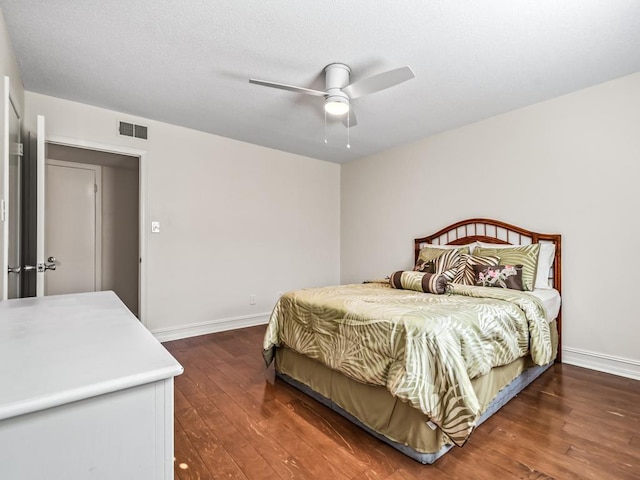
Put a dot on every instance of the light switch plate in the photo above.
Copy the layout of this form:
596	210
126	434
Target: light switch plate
155	227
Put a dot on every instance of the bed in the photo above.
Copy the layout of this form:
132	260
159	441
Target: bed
420	364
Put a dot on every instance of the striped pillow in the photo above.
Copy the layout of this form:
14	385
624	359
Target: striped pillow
466	269
420	282
525	255
447	264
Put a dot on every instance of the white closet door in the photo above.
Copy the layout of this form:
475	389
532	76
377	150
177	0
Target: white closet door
70	227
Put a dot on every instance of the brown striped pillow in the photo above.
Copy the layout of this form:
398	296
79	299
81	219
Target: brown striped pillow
447	264
466	274
420	282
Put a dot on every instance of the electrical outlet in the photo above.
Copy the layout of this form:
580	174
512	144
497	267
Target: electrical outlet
155	227
252	299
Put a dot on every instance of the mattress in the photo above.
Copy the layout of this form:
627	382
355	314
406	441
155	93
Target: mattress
551	301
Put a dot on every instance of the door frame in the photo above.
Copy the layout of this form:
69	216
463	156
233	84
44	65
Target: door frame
97	248
4	190
142	203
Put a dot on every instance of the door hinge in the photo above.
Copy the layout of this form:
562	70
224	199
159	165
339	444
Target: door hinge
95	188
17	149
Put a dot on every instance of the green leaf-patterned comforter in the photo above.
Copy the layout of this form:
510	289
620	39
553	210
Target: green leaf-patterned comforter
423	348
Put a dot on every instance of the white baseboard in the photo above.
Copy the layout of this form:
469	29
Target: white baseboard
623	367
213	326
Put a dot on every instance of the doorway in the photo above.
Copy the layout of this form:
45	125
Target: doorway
92	222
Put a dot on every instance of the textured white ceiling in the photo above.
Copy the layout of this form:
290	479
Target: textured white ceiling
188	62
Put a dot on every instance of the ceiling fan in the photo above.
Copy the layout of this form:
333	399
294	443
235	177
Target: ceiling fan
339	92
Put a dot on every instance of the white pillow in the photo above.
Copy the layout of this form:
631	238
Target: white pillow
545	260
451	247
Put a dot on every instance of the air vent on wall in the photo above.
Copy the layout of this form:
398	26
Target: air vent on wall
131	130
139	131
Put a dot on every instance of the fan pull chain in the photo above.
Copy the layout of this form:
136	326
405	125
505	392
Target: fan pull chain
325	127
348	125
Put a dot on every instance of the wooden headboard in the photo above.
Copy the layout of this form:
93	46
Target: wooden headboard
494	231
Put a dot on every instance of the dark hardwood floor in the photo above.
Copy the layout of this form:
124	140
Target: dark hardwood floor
234	420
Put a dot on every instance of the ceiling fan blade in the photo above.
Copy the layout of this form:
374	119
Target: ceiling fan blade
352	118
290	88
378	82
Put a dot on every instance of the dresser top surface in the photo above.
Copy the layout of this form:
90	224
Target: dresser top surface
63	348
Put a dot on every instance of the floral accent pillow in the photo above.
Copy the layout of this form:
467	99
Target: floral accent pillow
420	282
505	276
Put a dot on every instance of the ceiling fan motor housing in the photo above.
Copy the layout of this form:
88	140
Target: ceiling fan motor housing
336	78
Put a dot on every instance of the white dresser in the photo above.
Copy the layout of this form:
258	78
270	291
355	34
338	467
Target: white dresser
86	392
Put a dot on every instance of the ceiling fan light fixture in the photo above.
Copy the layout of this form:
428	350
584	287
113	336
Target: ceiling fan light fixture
336	105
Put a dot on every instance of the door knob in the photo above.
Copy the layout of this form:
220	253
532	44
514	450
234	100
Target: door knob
42	267
15	269
52	263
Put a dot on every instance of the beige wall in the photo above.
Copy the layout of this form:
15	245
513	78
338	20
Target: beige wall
236	219
569	165
120	233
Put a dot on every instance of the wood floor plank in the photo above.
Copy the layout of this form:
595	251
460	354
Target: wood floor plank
535	457
326	441
188	464
307	455
234	419
238	446
606	460
208	447
232	413
279	459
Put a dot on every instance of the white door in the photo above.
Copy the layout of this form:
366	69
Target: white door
72	227
41	156
10	267
14	205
